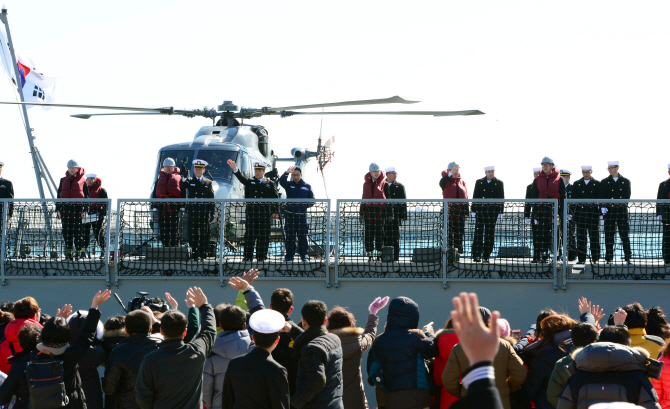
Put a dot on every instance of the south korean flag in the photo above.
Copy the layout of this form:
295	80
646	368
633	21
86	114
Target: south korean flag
36	86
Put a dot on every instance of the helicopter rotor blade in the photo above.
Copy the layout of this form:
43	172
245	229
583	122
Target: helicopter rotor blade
431	113
167	110
392	100
87	116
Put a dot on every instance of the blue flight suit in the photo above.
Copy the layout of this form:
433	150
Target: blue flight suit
296	216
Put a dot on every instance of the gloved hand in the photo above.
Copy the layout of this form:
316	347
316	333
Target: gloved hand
474	215
569	217
183	179
500	216
604	210
659	217
536	221
378	304
526	220
601	217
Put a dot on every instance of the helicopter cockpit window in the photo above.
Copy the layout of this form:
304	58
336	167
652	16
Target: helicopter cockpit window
217	167
183	160
245	166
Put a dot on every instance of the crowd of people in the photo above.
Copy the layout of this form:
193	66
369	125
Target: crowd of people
245	354
381	221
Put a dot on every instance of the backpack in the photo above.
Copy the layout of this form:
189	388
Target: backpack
46	382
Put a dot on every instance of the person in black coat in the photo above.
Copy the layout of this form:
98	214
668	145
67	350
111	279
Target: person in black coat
530	216
486	214
586	215
6	192
615	186
663	215
89	363
171	376
396	190
256	380
125	359
258	215
319	381
199	215
16	382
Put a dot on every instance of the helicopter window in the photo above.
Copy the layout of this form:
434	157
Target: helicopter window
218	168
183	159
245	165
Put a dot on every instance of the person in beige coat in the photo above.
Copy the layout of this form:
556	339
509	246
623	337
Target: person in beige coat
510	373
355	341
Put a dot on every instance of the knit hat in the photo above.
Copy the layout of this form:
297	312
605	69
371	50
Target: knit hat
547	159
169	162
72	163
451	165
486	314
374	167
503	327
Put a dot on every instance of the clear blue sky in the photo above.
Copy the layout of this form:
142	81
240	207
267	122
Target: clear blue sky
582	82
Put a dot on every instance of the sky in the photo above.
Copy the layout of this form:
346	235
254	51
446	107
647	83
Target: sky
581	82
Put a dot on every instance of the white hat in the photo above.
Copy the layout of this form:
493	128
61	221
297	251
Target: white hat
267	321
391	169
260	165
91	175
169	162
199	163
489	168
536	169
3	164
587	167
565	172
613	163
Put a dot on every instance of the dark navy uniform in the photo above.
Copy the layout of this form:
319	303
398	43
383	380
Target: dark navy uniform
296	216
395	191
529	212
664	212
586	217
617	215
486	215
6	192
572	246
258	215
199	215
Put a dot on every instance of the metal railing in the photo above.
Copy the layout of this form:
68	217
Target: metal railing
430	240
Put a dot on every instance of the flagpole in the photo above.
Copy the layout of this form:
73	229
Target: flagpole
17	76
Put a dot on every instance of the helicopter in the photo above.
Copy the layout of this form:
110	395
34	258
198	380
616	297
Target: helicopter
230	138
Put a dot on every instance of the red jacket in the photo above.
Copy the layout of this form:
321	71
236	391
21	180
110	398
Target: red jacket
168	185
12	336
454	188
94	193
374	190
72	187
446	339
548	186
662	385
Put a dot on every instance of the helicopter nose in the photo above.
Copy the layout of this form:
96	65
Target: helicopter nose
221	189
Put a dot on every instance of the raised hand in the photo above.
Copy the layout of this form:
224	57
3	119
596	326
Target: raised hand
290	169
479	342
378	304
173	303
232	164
151	314
65	311
100	298
620	316
196	296
238	283
428	327
584	306
250	276
597	312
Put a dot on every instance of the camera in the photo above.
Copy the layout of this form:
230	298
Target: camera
155	304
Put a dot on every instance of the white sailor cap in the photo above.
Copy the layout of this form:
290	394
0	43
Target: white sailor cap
487	168
391	169
565	172
587	167
91	175
613	163
3	164
199	163
535	170
260	165
668	165
267	321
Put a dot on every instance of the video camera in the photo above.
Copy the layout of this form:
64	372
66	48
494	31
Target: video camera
155	304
